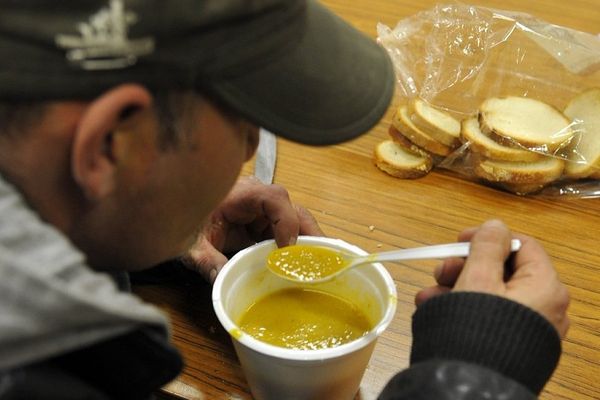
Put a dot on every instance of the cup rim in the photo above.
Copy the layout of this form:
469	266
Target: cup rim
295	354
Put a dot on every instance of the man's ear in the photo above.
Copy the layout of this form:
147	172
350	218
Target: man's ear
92	164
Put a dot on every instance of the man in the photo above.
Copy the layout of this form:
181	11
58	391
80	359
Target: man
123	127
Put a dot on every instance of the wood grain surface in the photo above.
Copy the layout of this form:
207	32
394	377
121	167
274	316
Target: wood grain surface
356	202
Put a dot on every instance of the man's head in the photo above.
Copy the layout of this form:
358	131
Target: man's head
128	176
126	122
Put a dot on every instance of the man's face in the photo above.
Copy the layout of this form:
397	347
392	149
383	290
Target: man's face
162	197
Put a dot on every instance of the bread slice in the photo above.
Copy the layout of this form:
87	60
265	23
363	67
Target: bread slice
438	124
399	162
489	148
403	141
522	188
405	126
595	174
584	110
520	177
528	122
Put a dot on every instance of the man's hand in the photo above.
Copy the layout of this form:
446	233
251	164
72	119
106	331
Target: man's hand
251	212
534	282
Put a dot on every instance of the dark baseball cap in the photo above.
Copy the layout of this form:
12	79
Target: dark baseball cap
290	66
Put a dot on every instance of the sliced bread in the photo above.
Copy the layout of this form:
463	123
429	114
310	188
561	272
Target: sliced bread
403	141
520	177
522	188
438	124
405	126
482	144
397	161
595	174
528	122
584	111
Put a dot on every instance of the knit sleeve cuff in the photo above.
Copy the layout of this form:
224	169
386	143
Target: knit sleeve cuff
487	330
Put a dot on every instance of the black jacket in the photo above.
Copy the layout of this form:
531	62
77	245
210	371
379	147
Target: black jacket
476	346
131	366
465	346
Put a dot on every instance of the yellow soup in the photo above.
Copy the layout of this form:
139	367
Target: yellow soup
305	319
305	263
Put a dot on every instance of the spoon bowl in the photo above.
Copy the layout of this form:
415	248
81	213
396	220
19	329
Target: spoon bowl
315	264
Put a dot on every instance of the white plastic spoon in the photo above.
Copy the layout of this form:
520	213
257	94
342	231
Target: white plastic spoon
315	264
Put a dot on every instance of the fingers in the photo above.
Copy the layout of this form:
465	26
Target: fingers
486	262
448	272
484	268
445	275
282	215
308	223
559	317
536	284
267	208
262	228
205	259
532	258
250	201
427	293
467	234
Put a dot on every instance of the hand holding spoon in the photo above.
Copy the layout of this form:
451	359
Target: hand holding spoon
315	264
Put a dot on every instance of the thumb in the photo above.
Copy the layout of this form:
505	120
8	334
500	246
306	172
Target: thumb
484	268
205	259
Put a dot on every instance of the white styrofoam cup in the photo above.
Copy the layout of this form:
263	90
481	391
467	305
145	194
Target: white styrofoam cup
274	372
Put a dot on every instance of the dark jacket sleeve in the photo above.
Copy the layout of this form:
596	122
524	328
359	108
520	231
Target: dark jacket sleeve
485	345
130	366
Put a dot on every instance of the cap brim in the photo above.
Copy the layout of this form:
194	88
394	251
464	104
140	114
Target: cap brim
334	85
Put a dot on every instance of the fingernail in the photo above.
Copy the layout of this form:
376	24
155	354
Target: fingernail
212	275
293	241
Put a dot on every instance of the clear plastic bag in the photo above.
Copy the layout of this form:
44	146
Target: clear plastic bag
456	56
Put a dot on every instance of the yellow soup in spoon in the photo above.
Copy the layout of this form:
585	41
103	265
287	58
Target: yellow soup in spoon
305	263
304	319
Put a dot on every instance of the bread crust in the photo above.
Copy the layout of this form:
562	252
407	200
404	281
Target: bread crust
519	177
405	126
392	159
403	141
539	172
512	121
522	188
438	124
595	174
482	144
584	111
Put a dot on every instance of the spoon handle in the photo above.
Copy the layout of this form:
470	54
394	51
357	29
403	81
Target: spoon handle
459	249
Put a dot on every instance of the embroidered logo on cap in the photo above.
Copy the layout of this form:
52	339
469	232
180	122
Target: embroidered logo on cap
103	42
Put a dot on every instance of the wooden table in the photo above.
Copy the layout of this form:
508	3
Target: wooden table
356	202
